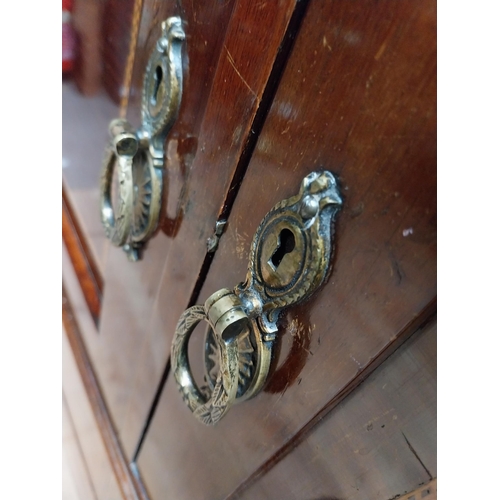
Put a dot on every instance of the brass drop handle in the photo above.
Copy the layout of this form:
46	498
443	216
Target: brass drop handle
138	155
208	410
121	150
289	259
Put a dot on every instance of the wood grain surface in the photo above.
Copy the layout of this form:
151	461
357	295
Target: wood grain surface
379	443
357	98
132	289
223	95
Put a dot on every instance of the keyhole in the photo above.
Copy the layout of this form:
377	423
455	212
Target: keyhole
286	243
158	79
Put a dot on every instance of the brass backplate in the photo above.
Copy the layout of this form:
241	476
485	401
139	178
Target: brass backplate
135	218
289	259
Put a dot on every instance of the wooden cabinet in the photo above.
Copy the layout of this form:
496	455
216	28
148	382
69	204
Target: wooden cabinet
273	91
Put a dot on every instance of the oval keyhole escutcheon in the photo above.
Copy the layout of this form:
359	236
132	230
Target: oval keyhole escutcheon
157	90
282	254
289	259
162	87
157	82
286	243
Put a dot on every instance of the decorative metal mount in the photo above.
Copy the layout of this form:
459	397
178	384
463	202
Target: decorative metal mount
289	259
138	155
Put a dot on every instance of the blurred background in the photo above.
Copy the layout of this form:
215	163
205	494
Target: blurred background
95	46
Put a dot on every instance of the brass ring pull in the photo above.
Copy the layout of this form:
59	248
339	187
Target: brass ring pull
289	259
119	153
138	155
244	358
208	410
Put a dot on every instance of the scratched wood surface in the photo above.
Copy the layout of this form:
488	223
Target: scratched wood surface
237	96
223	94
131	288
379	443
357	98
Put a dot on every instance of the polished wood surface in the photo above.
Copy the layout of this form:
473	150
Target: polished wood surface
208	163
380	442
129	380
357	98
273	91
132	351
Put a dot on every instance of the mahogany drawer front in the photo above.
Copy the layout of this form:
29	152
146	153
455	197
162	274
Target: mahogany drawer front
220	104
380	442
357	98
127	359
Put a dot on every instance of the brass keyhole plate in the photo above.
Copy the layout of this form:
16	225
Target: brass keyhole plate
289	259
157	90
157	82
291	249
162	87
283	241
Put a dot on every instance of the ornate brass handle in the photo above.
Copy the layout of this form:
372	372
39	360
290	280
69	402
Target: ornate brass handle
289	259
121	150
210	410
138	155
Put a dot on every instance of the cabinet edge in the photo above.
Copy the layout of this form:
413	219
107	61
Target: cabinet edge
82	260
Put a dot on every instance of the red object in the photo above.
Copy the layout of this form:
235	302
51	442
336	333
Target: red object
68	37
